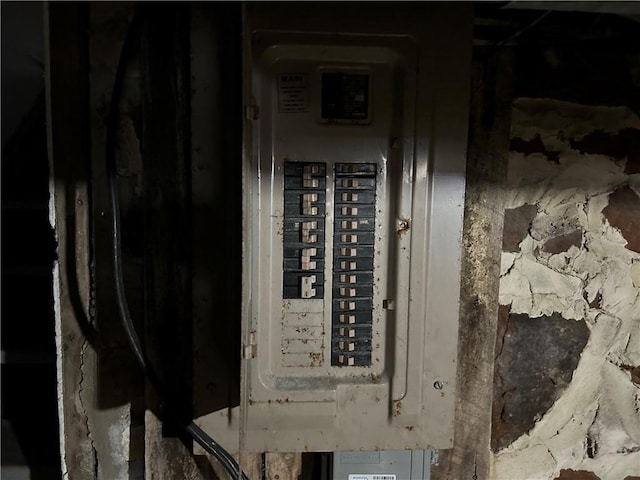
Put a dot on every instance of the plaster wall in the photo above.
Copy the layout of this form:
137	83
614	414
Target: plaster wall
570	287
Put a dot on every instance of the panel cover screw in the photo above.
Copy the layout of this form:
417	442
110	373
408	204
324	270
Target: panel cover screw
438	385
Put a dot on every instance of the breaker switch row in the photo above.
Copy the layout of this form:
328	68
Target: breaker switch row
304	229
353	250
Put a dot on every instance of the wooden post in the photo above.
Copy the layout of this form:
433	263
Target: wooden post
66	88
283	466
484	215
164	53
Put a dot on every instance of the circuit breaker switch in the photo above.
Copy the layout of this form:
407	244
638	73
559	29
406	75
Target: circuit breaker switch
308	207
347	292
348	346
347	168
308	265
307	237
348	252
347	332
349	197
305	260
307	181
349	225
344	265
306	286
349	238
344	305
350	182
309	252
347	318
348	278
349	210
309	210
346	360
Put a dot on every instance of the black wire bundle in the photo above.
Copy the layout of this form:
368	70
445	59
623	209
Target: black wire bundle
198	435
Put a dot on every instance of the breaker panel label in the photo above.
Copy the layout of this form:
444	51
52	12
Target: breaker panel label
372	476
293	93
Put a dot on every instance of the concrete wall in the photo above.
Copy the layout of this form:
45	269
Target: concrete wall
567	378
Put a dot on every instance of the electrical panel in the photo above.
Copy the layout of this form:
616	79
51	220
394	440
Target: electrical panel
353	194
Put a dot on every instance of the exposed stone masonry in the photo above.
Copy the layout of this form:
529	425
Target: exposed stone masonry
566	400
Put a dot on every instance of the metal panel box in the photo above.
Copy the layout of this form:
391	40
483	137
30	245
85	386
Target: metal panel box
385	465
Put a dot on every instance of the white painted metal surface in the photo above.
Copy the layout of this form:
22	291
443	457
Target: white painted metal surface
386	465
294	398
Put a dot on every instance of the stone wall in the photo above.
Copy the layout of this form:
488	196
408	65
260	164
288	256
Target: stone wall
567	378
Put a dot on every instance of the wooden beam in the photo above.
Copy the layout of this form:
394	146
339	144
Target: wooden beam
164	54
283	466
484	215
66	89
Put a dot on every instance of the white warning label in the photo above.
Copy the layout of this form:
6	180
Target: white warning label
372	476
293	93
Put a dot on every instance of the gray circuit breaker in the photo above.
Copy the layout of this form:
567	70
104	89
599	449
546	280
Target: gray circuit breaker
355	142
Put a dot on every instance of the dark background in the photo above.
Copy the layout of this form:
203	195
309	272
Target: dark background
30	441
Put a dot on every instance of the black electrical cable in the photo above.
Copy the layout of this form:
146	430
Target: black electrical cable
523	29
201	437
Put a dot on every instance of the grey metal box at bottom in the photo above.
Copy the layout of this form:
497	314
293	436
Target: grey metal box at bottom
382	465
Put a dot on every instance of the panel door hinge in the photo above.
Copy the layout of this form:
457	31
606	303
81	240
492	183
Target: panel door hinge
250	350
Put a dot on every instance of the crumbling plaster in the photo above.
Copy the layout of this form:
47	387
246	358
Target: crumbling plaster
594	425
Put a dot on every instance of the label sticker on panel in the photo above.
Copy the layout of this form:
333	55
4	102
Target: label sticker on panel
372	476
293	93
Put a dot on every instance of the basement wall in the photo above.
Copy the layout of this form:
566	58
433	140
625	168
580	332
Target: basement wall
567	375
